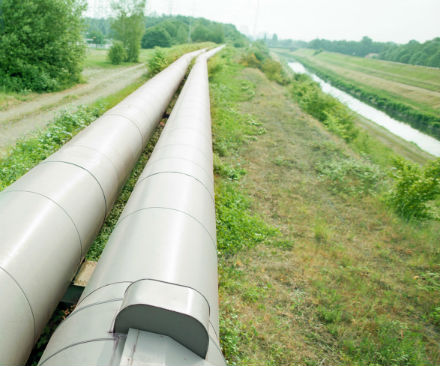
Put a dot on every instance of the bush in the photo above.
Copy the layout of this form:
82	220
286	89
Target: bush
157	62
258	56
117	53
334	115
41	44
414	188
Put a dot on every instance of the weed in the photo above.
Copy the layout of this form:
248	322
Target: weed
321	231
237	227
414	187
350	176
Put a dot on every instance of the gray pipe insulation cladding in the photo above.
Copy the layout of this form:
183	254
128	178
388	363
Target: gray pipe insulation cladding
51	215
153	298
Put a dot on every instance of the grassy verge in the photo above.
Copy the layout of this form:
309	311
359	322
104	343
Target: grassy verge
419	115
325	273
30	151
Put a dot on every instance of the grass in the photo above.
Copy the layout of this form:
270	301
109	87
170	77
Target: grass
326	274
420	76
97	58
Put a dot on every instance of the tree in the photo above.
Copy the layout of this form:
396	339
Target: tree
414	188
41	44
117	53
156	37
96	37
129	26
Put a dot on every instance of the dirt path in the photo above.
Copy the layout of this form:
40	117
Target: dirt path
29	116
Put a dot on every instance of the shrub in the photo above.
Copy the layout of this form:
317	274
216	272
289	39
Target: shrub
257	56
117	53
41	44
414	187
334	115
157	62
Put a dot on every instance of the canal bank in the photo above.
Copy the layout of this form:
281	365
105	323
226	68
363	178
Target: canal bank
399	136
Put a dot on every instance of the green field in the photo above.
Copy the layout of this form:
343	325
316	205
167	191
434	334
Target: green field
97	58
419	76
406	92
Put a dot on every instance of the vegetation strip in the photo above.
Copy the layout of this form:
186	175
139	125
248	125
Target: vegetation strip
418	118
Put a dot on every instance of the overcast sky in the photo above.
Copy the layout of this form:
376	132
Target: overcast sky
382	20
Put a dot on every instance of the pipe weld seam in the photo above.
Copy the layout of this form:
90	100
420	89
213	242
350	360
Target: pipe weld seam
90	173
181	173
100	287
132	122
187	145
98	152
145	279
74	345
212	325
27	299
154	161
174	284
62	208
196	130
171	209
213	341
76	311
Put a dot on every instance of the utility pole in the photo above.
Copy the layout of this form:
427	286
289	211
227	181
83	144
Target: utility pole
257	15
171	7
190	22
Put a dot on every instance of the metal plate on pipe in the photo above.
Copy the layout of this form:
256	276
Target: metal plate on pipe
176	311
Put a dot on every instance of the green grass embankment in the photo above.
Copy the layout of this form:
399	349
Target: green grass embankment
393	98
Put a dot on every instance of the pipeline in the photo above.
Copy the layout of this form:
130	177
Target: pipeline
51	215
153	298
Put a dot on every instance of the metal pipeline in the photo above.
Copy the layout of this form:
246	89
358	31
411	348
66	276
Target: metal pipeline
51	215
153	298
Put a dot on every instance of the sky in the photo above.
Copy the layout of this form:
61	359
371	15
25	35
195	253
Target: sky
382	20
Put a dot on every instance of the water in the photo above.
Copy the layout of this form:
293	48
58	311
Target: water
403	130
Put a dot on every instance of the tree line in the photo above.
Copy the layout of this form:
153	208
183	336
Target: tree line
414	52
166	31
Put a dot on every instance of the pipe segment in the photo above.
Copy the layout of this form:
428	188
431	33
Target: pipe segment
51	215
153	298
